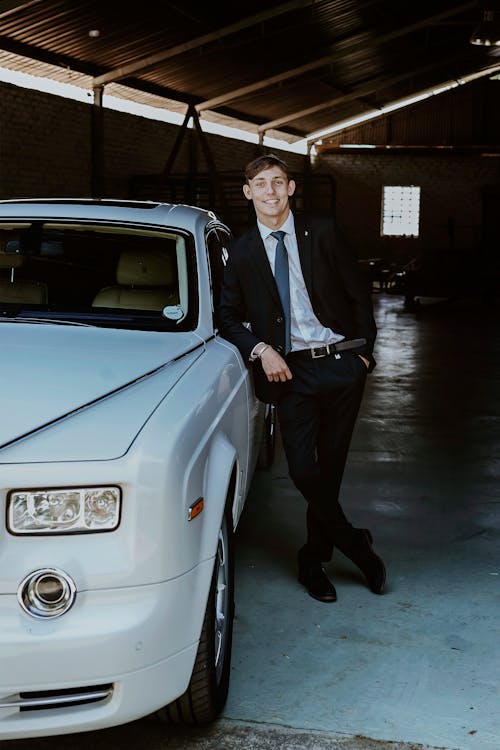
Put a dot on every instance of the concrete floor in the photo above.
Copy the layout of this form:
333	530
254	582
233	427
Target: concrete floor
419	666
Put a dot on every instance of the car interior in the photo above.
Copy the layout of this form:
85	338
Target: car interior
86	268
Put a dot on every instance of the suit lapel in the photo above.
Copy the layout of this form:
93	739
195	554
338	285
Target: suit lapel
261	263
303	235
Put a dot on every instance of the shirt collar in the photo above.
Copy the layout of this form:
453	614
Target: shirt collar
288	227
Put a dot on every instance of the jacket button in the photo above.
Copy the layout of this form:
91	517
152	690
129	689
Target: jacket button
279	319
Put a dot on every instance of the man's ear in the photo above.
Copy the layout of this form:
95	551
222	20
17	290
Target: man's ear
291	187
247	192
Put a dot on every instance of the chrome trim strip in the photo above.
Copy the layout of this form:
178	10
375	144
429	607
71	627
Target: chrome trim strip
16	701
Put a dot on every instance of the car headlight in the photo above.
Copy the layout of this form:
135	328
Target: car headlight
63	510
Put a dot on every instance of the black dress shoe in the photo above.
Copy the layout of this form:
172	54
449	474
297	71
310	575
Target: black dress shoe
313	577
358	548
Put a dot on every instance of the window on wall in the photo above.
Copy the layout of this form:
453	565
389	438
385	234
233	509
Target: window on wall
400	211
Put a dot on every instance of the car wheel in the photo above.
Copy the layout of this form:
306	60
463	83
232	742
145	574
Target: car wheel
207	691
267	448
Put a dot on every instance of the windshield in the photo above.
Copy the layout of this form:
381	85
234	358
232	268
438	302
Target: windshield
104	275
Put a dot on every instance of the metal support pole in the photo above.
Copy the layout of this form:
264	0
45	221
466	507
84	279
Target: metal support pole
214	175
191	112
97	145
307	160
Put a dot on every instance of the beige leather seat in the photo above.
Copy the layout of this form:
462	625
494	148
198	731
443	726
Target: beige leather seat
145	281
15	290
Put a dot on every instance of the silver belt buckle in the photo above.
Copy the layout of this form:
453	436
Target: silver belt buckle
318	356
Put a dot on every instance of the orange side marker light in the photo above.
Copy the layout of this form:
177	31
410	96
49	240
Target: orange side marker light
195	509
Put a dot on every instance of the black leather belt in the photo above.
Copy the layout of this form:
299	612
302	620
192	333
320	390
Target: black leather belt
325	351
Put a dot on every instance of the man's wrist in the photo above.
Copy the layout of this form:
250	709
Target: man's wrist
258	351
262	350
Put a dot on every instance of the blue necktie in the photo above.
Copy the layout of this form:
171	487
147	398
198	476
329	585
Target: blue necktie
283	283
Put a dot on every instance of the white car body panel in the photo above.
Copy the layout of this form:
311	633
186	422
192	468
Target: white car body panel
168	417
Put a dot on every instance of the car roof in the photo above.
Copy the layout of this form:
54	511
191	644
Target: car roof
107	209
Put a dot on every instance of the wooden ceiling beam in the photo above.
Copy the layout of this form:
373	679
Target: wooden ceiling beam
357	93
342	48
8	7
125	71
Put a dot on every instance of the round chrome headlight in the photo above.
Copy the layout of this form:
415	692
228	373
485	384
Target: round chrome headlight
47	592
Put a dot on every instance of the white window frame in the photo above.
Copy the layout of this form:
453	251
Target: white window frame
400	216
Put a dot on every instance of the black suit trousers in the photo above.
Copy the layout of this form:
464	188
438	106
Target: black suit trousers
317	412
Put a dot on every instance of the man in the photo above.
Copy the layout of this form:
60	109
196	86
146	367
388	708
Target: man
294	304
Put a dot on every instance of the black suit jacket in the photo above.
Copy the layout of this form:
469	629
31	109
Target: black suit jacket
340	296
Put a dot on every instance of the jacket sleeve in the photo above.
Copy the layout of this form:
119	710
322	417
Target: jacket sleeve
232	311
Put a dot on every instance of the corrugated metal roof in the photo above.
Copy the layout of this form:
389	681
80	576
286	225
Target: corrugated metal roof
308	63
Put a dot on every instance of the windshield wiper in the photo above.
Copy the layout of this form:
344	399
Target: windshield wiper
44	321
91	319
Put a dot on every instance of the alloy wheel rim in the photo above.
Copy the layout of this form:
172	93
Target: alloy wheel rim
221	602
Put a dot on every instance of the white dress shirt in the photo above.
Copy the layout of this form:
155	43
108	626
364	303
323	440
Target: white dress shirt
306	329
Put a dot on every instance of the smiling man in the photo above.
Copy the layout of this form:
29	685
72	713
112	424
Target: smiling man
295	305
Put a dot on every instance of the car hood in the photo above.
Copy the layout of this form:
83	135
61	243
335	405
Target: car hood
55	373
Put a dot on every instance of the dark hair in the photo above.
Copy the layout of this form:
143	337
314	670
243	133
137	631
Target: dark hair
264	162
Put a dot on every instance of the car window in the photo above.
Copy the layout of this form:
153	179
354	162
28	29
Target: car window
102	274
217	240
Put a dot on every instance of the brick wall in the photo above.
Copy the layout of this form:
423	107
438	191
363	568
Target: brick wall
45	147
450	207
45	150
44	144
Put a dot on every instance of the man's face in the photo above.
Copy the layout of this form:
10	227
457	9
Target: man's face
270	190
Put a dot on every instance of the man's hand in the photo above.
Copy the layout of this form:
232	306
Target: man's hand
274	366
366	361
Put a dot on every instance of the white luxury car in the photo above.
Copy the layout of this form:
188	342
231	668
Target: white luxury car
128	440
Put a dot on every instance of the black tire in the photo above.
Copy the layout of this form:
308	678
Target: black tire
207	691
267	447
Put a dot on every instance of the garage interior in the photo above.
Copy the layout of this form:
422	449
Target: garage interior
356	96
